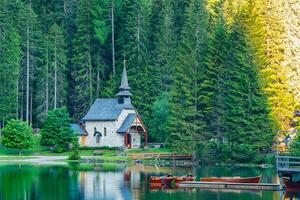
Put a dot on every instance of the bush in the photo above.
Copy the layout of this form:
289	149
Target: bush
17	135
243	153
75	150
56	132
295	145
215	151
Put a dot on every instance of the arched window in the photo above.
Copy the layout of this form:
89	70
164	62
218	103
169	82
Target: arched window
97	138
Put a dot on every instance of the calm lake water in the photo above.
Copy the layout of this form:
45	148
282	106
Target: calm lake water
117	182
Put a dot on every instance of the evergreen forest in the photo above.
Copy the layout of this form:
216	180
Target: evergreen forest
216	76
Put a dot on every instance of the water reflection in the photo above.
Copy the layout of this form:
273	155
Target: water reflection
110	182
291	196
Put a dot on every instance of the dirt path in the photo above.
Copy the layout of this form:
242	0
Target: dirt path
34	159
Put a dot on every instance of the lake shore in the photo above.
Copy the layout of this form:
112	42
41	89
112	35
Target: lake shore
63	159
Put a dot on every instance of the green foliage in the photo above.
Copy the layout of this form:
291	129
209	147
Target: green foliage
295	145
247	119
75	150
158	122
216	96
17	135
266	37
56	132
52	80
110	90
207	76
10	57
101	22
243	153
187	102
82	77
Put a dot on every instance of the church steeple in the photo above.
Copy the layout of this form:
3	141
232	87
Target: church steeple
124	83
124	89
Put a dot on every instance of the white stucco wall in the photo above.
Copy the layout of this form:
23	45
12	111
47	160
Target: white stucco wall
112	138
135	139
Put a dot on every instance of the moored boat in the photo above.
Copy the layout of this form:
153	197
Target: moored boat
167	180
155	180
179	179
291	186
232	179
163	180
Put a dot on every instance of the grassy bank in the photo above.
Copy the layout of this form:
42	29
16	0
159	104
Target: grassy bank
87	154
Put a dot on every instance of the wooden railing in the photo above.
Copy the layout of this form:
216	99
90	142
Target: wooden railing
288	163
159	156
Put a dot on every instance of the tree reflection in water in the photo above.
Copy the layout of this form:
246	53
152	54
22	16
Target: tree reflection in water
116	182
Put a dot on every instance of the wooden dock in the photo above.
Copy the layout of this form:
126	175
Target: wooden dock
159	156
288	164
232	186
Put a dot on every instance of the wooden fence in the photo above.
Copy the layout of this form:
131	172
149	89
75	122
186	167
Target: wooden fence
160	156
288	163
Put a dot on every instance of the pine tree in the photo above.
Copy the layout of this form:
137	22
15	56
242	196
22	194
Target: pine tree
247	112
292	50
110	89
10	57
216	61
164	40
132	46
186	123
57	64
31	41
82	94
266	31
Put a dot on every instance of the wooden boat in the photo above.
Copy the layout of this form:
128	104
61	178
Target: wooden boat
291	186
232	179
167	180
164	180
179	179
156	181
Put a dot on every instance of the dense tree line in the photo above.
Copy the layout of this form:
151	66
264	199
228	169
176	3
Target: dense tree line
223	71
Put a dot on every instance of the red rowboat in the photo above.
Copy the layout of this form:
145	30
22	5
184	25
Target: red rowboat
179	179
291	187
167	180
156	181
232	179
164	180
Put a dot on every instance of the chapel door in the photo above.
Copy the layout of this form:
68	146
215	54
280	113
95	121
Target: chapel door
128	141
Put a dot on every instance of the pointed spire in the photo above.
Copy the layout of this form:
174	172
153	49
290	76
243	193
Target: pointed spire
124	89
124	83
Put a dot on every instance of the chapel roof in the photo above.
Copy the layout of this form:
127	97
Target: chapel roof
127	123
78	129
107	109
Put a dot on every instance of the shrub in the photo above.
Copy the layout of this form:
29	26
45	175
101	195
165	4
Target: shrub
243	153
56	132
75	150
295	145
17	135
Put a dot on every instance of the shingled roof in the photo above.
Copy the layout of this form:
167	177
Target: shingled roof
78	129
127	123
106	110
